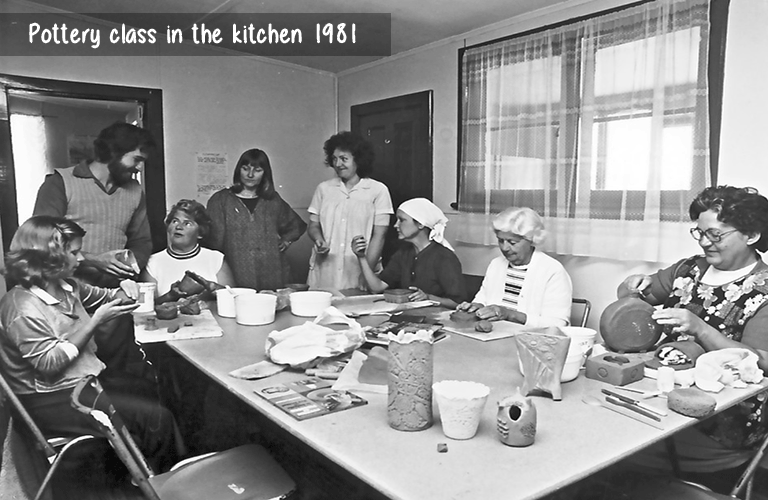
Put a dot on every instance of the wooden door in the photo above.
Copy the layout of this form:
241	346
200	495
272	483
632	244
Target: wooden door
400	129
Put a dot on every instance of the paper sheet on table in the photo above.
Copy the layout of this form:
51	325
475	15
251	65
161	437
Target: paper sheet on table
204	325
501	329
262	369
375	304
349	377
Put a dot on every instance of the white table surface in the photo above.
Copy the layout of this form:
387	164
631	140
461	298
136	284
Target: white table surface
573	439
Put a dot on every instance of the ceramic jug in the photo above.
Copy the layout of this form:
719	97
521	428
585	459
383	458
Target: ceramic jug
627	326
516	420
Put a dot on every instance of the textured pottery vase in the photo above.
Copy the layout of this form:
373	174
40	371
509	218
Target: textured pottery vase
516	420
409	407
627	326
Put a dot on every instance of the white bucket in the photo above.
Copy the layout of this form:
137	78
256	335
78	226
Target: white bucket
255	308
309	303
225	300
572	366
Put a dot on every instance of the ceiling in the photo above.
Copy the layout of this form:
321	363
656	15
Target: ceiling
415	23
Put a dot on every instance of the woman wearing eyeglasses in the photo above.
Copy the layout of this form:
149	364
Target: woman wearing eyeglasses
719	299
523	285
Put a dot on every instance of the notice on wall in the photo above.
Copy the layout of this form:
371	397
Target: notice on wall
212	174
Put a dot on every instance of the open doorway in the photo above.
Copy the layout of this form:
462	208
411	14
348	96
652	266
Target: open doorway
47	124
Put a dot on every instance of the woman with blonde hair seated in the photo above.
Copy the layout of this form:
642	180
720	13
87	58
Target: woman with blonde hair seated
523	285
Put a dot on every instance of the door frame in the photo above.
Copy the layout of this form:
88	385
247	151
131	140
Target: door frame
152	102
401	102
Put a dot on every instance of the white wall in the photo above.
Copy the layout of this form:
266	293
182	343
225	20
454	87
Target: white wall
436	68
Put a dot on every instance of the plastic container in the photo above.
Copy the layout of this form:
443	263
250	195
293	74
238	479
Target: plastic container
146	297
310	303
461	405
255	308
225	300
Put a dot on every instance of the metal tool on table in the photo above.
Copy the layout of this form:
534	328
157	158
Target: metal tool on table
636	403
595	401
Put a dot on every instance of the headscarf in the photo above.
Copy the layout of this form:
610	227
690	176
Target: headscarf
427	214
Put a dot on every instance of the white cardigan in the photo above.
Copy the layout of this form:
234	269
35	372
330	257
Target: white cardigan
546	294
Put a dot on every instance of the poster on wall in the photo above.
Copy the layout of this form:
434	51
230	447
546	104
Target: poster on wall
212	174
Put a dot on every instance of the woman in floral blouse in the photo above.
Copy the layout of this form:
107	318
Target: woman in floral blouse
718	299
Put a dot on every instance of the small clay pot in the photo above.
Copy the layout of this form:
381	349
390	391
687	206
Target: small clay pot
188	286
397	295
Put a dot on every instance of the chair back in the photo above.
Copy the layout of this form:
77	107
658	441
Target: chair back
580	309
247	472
89	398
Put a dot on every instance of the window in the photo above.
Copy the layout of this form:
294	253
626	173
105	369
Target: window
601	125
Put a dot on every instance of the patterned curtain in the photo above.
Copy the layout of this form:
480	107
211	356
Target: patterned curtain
600	125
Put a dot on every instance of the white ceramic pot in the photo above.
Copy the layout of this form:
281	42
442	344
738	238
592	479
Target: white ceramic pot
225	300
310	303
255	308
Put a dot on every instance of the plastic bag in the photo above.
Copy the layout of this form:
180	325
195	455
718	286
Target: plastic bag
300	346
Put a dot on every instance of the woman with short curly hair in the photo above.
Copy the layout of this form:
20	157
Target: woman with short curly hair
349	205
717	300
186	225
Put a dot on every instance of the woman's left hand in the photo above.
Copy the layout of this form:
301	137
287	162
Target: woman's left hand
131	289
491	313
417	294
684	321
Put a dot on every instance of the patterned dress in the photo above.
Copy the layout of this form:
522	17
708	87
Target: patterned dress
727	308
249	240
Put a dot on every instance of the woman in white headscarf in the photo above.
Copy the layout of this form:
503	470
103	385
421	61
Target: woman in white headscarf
427	266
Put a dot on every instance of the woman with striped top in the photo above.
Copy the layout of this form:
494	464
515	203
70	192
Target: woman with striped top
524	285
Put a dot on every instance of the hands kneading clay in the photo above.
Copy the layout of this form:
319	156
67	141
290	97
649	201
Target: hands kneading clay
467	319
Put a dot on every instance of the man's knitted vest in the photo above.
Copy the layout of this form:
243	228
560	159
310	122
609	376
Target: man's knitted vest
105	217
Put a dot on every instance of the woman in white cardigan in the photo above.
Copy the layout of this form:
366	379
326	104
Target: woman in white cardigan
524	285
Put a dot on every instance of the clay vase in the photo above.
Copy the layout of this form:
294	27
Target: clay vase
627	326
516	420
409	405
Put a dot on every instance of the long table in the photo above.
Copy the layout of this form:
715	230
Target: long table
573	440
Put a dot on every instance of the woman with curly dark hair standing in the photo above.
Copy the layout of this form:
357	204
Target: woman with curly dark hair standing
718	300
253	226
351	204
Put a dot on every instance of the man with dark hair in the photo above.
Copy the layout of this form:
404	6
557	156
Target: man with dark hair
103	197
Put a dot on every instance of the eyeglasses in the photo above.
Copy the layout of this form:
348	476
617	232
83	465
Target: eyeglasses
712	235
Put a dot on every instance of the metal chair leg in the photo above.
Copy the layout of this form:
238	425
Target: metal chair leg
56	461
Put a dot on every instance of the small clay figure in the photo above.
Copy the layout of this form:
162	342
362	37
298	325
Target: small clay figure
483	326
150	324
